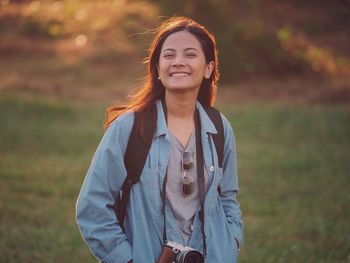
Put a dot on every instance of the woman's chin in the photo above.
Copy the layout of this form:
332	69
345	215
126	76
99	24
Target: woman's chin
180	88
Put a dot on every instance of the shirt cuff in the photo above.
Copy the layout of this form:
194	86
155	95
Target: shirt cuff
239	239
238	246
121	254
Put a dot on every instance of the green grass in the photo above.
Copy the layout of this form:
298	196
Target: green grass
294	177
293	168
45	149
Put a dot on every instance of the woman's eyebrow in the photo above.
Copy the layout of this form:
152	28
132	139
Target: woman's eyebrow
173	50
168	49
191	48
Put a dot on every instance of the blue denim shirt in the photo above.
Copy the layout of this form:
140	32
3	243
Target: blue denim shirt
142	240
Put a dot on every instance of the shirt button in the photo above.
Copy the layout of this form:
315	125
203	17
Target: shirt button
211	168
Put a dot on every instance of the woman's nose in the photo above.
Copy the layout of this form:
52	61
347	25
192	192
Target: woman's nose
178	61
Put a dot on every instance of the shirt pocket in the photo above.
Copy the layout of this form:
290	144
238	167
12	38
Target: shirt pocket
147	194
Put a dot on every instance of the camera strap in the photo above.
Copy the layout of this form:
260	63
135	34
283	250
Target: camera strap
165	238
200	179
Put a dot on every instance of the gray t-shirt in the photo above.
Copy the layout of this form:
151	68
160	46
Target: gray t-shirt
183	206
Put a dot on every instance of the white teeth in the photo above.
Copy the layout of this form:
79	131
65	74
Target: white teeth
180	74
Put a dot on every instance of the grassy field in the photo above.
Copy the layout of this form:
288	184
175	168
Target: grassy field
293	165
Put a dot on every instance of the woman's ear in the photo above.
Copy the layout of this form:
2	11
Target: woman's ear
209	69
157	66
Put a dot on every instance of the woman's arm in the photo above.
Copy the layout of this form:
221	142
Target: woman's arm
94	212
229	185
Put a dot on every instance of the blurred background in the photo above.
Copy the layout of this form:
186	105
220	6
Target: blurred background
284	86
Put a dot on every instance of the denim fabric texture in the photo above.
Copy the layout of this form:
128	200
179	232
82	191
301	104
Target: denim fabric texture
142	240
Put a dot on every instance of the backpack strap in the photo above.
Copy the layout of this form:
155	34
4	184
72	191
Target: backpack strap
218	138
135	156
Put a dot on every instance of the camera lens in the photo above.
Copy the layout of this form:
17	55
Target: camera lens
190	257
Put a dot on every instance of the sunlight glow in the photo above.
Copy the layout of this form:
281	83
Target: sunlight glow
5	2
80	15
34	6
57	6
81	40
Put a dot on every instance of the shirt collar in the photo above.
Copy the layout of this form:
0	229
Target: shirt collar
206	123
162	128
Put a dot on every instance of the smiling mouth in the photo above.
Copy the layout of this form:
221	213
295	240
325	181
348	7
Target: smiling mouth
179	74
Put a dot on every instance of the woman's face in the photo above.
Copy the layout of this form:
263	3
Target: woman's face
182	63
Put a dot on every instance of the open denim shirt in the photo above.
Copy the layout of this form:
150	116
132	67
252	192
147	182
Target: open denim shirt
142	240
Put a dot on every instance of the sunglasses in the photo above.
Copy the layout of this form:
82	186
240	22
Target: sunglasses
188	181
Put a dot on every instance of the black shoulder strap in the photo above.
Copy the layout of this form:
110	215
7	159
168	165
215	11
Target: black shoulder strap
135	156
219	138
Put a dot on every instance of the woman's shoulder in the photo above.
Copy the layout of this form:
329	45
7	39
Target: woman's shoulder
225	121
228	127
123	123
125	118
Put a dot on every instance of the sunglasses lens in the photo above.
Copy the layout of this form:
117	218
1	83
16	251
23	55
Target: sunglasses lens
187	164
188	185
187	161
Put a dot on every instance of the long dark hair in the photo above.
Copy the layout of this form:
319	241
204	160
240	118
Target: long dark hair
153	89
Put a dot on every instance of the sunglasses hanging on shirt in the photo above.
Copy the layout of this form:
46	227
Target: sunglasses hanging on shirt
187	180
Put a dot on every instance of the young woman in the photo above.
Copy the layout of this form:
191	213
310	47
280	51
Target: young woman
166	201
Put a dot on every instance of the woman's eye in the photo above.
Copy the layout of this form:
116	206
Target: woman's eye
191	55
168	55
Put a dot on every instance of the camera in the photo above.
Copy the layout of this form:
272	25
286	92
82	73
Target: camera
173	252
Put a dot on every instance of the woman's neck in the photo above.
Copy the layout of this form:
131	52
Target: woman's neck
180	105
180	110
